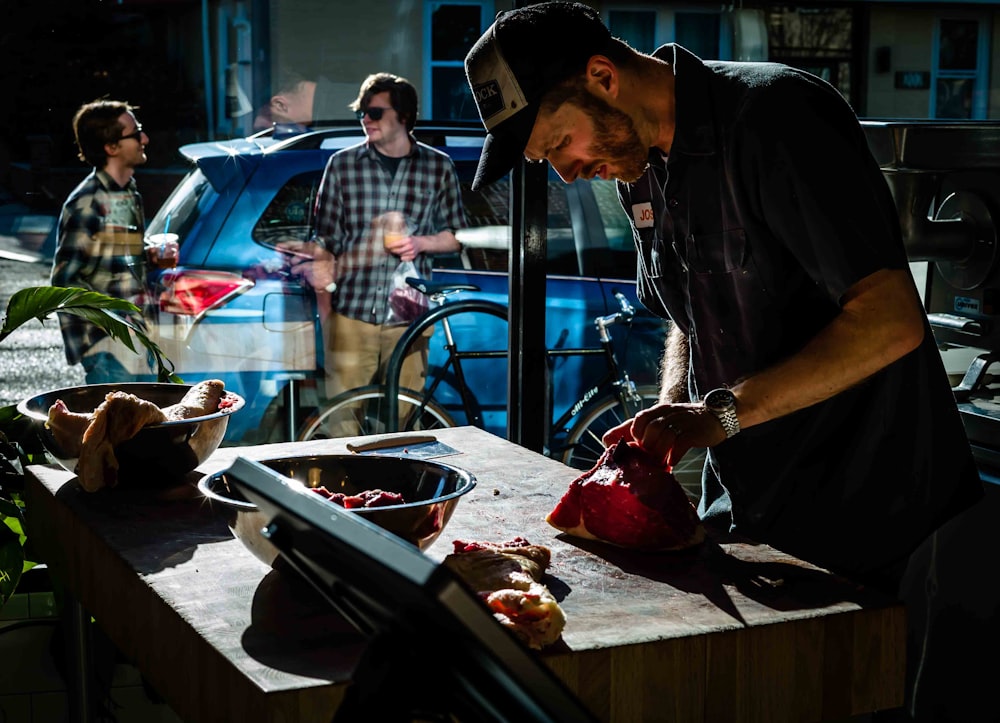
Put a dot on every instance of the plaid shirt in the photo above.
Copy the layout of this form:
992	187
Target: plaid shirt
356	188
100	248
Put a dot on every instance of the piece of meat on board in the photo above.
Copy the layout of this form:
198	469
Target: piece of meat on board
630	500
508	578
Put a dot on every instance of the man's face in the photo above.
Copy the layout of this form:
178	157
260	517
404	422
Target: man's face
131	146
586	137
386	129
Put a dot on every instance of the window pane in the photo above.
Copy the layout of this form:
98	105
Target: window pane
455	28
635	27
959	42
288	217
699	33
954	98
452	97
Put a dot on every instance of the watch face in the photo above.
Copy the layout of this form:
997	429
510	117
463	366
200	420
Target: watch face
720	399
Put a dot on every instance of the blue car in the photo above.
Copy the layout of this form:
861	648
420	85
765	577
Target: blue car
230	309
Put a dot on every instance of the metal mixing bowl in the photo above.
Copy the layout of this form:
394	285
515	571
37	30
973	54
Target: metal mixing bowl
431	491
160	454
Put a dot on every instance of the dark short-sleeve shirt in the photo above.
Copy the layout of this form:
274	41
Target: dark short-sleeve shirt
768	208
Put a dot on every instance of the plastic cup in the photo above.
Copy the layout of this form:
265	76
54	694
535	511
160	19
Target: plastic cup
162	249
394	228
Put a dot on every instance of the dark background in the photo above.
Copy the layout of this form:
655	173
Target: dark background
56	55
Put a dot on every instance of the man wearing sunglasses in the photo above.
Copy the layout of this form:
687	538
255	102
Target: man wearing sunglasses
100	245
389	175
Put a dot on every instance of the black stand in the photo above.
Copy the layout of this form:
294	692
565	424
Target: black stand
393	685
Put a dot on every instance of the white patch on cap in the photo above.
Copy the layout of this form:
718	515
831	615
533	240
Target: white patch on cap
498	94
642	214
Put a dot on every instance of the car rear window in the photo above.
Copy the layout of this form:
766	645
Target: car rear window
288	217
182	209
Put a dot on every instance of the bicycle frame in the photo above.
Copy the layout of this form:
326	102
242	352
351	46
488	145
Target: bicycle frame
615	377
423	322
623	386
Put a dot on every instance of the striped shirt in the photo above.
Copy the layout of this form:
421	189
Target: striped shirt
99	248
356	188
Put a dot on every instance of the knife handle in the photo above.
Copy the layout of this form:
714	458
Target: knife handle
384	442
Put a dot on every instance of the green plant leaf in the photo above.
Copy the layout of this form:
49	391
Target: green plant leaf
11	563
40	302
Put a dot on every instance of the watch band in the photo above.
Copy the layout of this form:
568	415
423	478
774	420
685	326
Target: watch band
722	403
730	422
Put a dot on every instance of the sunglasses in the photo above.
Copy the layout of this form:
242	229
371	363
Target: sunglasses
374	112
137	135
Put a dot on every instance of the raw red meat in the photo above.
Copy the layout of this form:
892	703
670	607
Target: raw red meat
368	498
630	500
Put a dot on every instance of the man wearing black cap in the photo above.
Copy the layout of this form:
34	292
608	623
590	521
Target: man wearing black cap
799	352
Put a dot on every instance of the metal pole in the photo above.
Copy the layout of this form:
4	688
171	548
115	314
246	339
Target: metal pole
79	662
526	415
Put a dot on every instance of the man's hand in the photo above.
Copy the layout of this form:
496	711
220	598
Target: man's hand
310	263
668	431
405	247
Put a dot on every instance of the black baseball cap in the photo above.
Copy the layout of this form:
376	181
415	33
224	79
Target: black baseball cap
522	55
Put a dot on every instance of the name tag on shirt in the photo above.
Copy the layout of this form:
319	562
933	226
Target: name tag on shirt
642	214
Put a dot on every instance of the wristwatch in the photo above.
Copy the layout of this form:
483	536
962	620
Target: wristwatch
722	403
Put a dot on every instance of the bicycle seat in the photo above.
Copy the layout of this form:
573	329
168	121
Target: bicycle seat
431	288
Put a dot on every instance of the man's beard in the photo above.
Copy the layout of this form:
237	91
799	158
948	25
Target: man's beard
615	138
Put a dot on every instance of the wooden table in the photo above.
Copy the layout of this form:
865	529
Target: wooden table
731	631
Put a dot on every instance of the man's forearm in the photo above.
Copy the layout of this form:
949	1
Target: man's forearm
443	242
674	367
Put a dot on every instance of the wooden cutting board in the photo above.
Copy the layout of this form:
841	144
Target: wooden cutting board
729	631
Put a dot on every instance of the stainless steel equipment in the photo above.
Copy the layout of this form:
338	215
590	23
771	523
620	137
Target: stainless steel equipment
945	180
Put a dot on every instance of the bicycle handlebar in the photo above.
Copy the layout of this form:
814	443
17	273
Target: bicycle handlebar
625	315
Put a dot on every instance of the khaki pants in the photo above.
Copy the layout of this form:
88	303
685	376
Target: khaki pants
357	354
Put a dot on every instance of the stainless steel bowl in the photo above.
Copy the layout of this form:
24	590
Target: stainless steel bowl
159	454
431	490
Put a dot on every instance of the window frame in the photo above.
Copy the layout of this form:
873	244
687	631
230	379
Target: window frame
665	26
486	15
979	76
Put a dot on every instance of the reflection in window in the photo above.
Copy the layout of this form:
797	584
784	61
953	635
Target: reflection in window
699	33
635	27
454	28
182	210
957	78
953	98
452	99
289	215
959	42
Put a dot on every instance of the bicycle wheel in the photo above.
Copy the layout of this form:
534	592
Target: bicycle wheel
584	446
468	380
363	411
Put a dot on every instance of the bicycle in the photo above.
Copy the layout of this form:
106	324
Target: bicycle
574	437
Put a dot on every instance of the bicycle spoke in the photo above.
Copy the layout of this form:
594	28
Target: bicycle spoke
362	411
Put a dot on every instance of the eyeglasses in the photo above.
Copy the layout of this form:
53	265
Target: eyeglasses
137	135
374	112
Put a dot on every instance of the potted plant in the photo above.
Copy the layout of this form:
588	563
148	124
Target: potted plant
19	445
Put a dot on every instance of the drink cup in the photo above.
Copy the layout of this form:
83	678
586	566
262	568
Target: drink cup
394	229
162	250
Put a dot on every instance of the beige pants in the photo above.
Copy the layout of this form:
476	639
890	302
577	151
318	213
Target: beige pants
357	354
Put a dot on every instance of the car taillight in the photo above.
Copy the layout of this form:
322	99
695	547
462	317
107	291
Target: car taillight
192	293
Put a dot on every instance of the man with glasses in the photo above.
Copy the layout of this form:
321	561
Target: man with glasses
100	242
388	176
